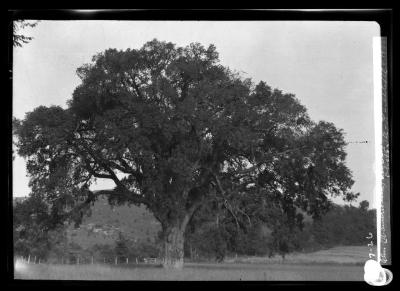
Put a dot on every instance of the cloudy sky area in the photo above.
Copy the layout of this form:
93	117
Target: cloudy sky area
327	65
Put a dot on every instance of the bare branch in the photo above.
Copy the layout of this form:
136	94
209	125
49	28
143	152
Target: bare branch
226	203
190	213
245	214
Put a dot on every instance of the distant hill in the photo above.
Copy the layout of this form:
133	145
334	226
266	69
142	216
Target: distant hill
106	222
137	224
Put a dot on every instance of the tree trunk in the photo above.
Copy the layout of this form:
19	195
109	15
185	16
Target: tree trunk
173	233
173	247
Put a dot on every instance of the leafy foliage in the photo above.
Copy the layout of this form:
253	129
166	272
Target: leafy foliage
346	225
33	229
341	225
175	130
121	246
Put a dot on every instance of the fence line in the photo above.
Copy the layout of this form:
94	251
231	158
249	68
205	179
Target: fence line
71	260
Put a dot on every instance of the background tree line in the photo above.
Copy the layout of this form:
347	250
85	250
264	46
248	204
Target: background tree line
210	236
341	225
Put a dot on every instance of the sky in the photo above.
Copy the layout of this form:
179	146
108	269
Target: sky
327	65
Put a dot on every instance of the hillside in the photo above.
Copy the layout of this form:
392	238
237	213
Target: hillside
342	225
106	222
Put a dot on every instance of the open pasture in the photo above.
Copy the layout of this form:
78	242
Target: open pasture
195	272
336	264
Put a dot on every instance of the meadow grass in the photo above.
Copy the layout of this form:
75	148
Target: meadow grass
352	255
336	264
195	272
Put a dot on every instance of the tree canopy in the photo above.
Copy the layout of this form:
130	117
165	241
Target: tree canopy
34	232
175	129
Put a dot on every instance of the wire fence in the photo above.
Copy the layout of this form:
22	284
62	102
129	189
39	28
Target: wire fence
81	260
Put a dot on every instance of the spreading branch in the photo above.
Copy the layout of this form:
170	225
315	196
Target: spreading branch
225	200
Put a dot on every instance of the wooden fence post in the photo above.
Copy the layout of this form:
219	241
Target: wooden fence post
116	260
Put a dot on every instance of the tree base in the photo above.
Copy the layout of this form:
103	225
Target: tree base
173	256
173	264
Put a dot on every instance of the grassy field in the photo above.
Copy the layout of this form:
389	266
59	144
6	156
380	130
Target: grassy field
337	264
350	255
195	272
